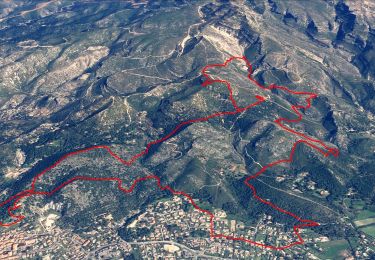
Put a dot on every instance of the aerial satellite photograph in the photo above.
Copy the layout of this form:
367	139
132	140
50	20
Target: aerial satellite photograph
187	129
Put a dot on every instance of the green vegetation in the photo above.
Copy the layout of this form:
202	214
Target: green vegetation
364	214
369	230
334	249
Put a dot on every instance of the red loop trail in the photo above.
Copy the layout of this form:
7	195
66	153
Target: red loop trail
313	143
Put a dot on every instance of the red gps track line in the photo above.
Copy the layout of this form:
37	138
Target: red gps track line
306	140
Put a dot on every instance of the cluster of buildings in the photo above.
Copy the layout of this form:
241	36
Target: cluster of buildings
177	220
174	230
34	242
14	245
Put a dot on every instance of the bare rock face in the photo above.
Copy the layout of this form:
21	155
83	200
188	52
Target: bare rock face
20	157
70	69
20	71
